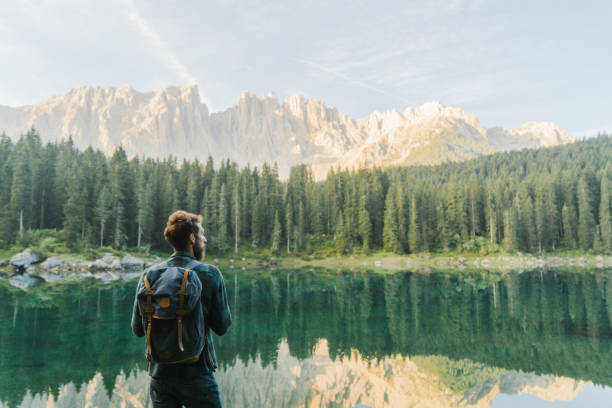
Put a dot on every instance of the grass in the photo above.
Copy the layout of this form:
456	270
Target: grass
321	253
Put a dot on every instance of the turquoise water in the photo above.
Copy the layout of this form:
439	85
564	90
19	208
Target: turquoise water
320	338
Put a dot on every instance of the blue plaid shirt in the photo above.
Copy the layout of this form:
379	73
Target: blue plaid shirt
216	314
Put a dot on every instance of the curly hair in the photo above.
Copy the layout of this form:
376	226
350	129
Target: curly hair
180	225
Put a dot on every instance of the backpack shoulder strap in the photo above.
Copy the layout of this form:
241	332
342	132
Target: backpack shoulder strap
181	311
148	311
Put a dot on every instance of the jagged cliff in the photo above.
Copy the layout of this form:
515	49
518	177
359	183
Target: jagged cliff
172	120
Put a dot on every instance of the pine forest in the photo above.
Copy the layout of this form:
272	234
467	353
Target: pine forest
532	201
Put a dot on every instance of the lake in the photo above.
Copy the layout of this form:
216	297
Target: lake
317	338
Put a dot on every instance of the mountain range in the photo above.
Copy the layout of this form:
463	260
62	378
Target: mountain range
172	120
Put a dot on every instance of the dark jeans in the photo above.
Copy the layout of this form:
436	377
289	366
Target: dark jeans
198	392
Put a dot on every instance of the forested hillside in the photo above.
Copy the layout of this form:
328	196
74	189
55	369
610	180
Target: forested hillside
533	201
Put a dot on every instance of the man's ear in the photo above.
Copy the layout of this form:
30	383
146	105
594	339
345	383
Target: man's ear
192	238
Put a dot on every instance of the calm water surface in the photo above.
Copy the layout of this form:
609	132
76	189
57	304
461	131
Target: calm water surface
304	338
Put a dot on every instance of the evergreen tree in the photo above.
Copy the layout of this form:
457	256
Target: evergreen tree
586	220
510	230
569	227
390	232
121	191
475	205
605	208
276	234
527	225
365	224
223	218
301	226
103	212
340	237
236	215
146	206
259	220
21	188
402	215
414	235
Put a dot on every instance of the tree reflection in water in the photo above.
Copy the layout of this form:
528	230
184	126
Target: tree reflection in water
327	337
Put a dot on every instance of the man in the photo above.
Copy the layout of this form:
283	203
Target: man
190	384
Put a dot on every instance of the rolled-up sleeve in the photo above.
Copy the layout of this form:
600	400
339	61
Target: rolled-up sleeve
219	318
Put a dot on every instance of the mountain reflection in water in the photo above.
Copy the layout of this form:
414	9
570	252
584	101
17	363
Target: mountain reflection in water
311	338
319	381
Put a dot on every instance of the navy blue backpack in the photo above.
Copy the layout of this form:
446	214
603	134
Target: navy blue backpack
171	310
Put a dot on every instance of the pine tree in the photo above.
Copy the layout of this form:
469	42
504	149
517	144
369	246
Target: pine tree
236	215
414	235
475	205
75	215
301	226
146	203
528	240
402	215
365	224
21	188
390	231
543	223
6	179
276	234
569	227
121	190
491	215
289	225
194	189
340	237
442	228
103	212
259	215
223	218
605	208
509	242
586	220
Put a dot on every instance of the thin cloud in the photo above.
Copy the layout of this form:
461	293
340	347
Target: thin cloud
356	82
170	58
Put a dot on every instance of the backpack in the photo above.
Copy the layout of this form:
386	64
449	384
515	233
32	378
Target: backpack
169	303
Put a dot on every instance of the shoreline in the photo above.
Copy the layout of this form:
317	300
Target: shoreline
126	265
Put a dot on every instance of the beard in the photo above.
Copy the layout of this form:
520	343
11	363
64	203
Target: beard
199	250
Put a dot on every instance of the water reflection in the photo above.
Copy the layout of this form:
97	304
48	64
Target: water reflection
329	339
320	381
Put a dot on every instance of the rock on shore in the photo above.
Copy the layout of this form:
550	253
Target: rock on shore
26	258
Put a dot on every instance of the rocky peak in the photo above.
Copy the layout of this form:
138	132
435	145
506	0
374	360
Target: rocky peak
172	120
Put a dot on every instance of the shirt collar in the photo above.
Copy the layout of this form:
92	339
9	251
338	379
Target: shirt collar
184	254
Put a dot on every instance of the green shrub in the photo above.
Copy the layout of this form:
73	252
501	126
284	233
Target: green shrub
481	246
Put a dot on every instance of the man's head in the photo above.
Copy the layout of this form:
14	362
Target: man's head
185	233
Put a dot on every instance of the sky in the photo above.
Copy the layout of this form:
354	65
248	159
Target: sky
507	62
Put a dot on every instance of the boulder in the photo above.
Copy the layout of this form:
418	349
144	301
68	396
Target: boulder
3	263
271	262
104	263
51	263
116	265
26	258
25	281
132	264
461	260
